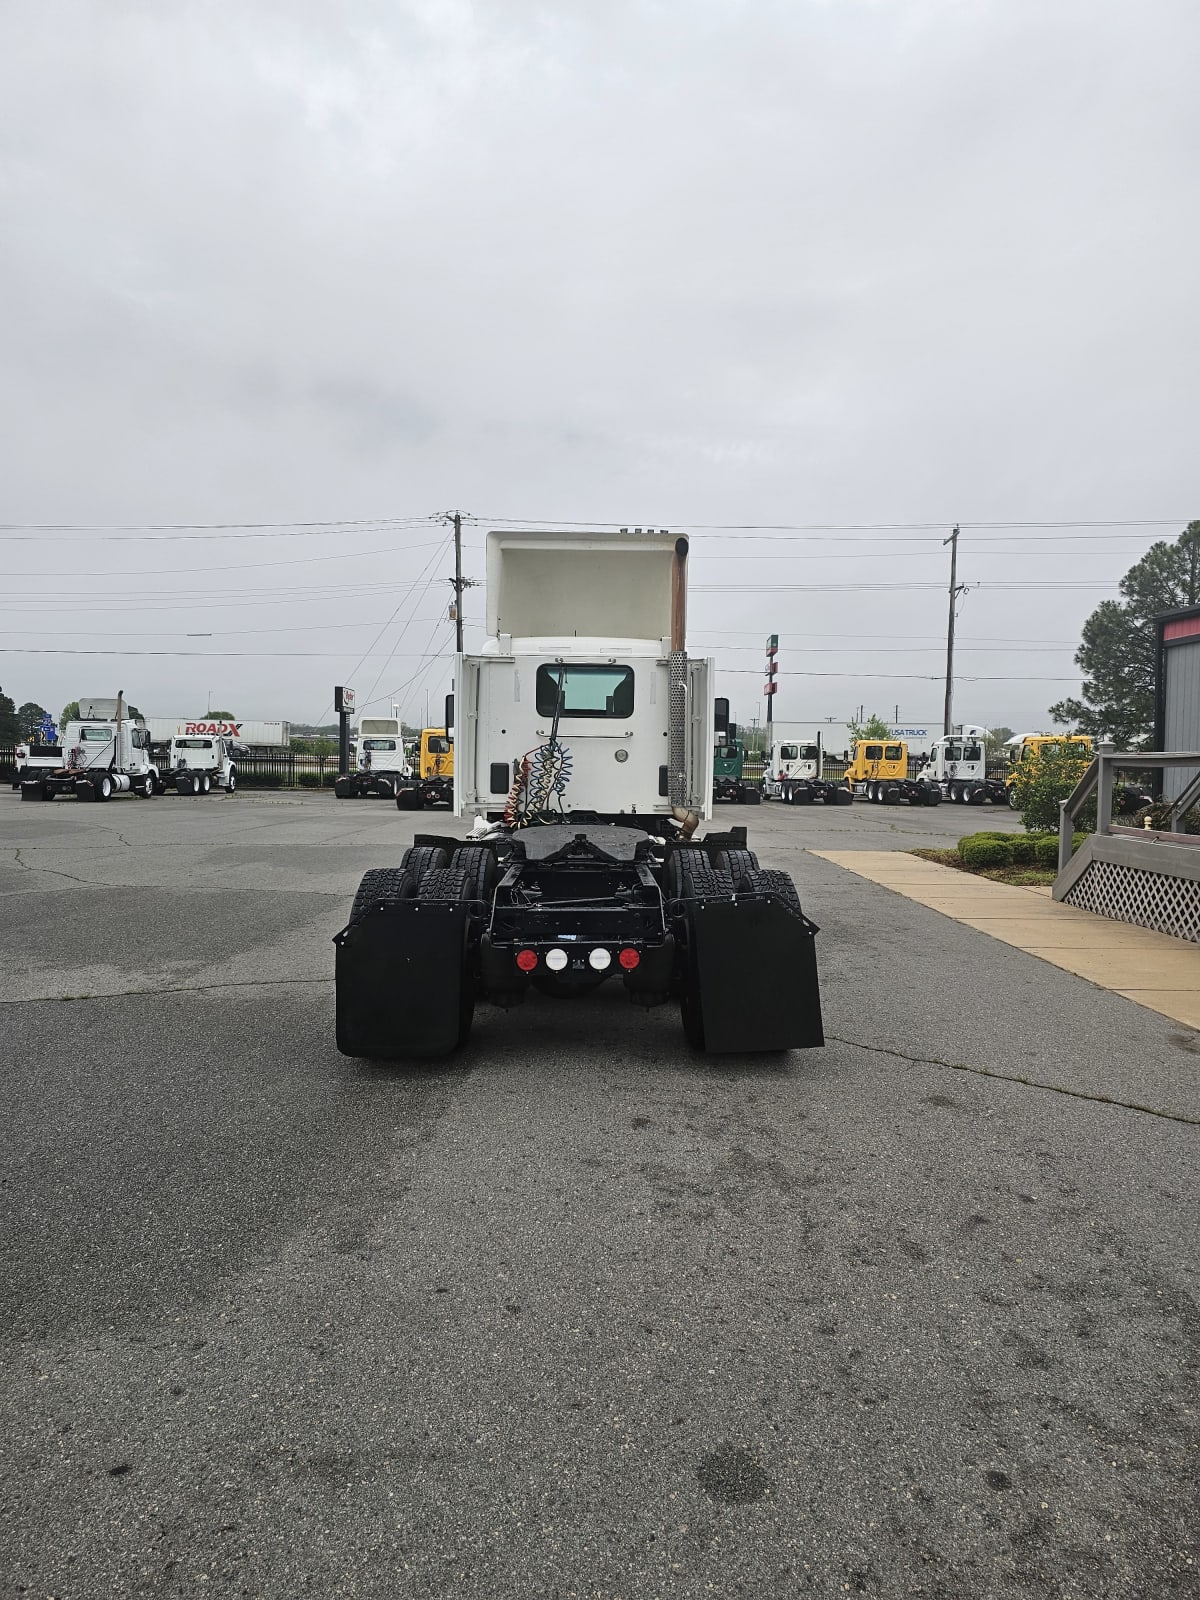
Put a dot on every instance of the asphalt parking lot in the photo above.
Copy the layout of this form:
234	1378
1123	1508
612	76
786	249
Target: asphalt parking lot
579	1312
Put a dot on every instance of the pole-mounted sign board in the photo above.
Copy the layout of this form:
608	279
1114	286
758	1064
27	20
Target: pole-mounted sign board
343	700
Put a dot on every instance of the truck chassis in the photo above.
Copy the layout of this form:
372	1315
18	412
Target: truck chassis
897	791
806	791
562	908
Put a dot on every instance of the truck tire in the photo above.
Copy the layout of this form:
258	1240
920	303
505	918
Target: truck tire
231	784
422	859
408	800
143	788
33	789
386	788
381	886
1013	802
479	864
843	797
205	783
778	884
750	795
103	789
737	863
342	789
933	796
455	883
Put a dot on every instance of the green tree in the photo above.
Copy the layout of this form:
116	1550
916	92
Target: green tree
873	728
70	713
997	738
10	726
1042	780
219	716
1118	652
31	716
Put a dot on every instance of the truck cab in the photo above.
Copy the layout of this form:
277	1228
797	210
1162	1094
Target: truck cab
958	765
1023	750
105	752
583	750
198	763
878	772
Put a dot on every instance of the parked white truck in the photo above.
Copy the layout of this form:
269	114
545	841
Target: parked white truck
31	760
795	774
198	763
105	753
378	764
958	766
584	753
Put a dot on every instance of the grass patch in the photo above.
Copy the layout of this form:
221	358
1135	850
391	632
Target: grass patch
1023	877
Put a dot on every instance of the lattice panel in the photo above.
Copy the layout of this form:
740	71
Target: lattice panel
1131	894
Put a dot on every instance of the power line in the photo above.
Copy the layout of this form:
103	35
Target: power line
242	566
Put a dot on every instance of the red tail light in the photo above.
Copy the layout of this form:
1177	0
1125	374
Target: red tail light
629	959
527	960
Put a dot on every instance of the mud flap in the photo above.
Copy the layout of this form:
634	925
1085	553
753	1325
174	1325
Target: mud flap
399	976
755	972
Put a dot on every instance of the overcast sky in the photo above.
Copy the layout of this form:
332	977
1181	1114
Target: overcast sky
668	264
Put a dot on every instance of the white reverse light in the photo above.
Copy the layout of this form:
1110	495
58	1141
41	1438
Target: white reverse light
600	960
556	960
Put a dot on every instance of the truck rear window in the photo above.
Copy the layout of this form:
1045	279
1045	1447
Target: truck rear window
379	744
193	744
587	691
789	752
95	735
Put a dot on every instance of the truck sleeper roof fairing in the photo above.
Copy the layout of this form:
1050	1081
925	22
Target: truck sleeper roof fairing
573	586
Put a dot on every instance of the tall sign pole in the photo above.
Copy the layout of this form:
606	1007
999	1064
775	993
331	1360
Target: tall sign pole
948	717
771	686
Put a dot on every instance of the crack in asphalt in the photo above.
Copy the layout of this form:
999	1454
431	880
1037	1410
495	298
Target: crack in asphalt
190	988
54	872
1012	1077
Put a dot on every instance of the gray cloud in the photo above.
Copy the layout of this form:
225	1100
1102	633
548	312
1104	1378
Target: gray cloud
657	263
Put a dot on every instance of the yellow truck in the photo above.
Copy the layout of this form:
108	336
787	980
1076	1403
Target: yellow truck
879	772
432	784
1024	749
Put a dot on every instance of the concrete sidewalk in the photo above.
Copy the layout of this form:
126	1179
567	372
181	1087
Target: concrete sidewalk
1153	969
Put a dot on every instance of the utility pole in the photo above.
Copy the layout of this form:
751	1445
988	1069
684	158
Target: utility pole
955	591
458	583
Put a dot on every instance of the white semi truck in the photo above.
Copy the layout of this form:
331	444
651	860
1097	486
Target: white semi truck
105	753
584	755
958	766
378	764
795	774
198	763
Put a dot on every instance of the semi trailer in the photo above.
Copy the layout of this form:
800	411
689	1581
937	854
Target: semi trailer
105	753
584	738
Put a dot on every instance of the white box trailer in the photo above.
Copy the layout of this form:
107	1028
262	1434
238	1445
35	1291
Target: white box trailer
258	735
583	750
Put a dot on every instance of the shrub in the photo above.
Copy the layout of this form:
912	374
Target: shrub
977	850
308	780
1046	850
1041	782
1159	816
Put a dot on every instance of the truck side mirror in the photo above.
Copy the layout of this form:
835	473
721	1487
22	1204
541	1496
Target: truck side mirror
721	717
732	733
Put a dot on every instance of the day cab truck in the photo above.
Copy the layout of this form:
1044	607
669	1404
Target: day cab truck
198	763
958	765
31	760
879	772
432	784
1025	748
584	737
378	764
105	754
729	767
796	775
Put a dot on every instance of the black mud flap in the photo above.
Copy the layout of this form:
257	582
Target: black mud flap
399	978
755	971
